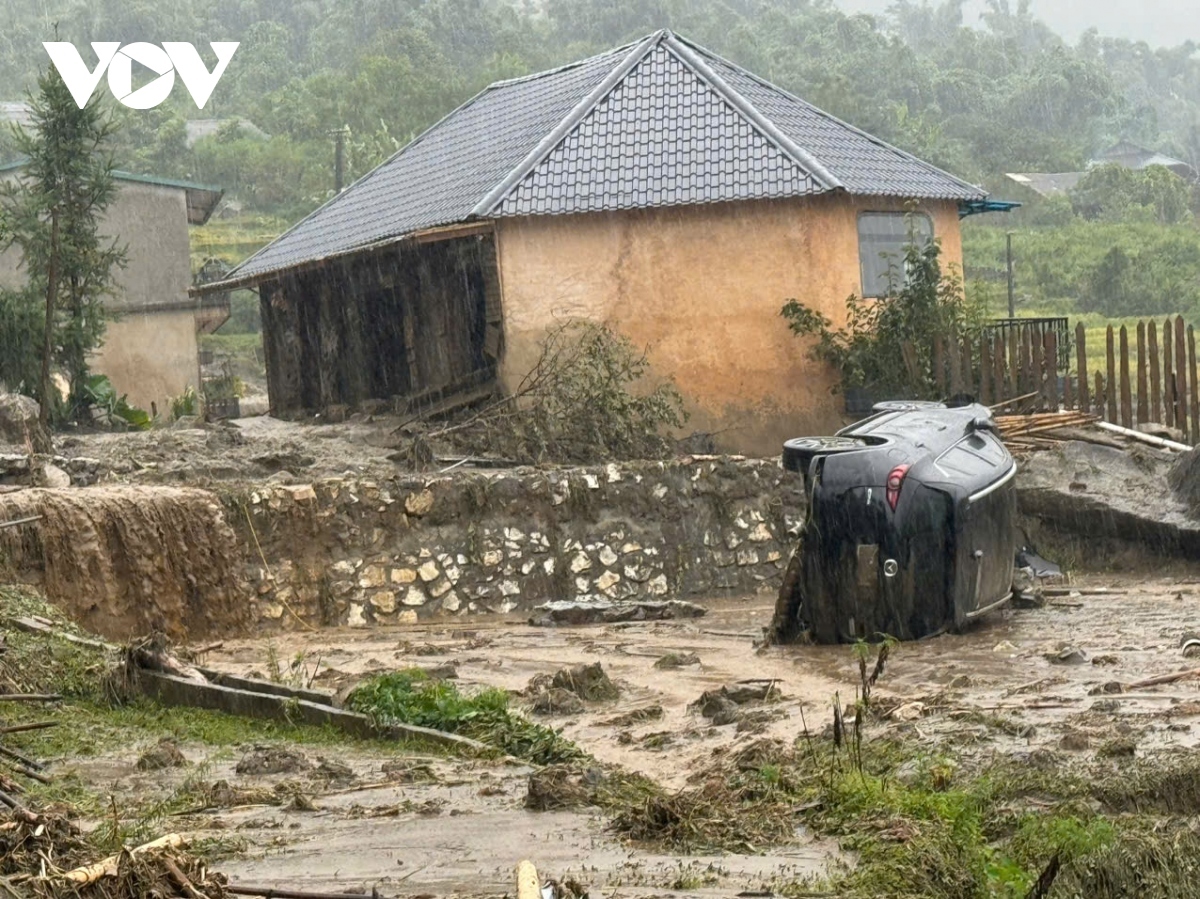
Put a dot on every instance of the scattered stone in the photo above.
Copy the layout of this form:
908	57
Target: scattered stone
51	476
1071	655
165	755
1075	742
575	612
635	717
419	504
677	660
588	682
719	709
556	701
1106	706
272	760
20	424
334	771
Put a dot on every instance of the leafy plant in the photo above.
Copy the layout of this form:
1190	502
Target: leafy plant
887	345
185	404
411	697
112	410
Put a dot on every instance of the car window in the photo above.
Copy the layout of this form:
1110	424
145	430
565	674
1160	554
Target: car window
882	240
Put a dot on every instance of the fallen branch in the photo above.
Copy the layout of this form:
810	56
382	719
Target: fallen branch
181	880
17	757
1148	439
271	893
22	728
30	773
20	521
30	697
108	867
1164	679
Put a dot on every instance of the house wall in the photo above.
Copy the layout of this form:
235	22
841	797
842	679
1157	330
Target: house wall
150	353
701	288
151	356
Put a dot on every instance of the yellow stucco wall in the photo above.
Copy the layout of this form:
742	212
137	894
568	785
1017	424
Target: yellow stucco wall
701	288
151	356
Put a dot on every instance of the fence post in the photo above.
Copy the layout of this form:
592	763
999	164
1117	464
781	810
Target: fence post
1126	401
1142	411
1013	339
1036	361
1181	415
1168	376
1099	394
1085	404
1027	385
1050	360
1155	379
1191	336
998	357
1110	381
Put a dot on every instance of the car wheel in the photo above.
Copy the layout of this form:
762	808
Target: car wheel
800	451
907	405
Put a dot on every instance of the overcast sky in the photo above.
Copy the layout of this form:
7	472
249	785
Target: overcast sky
1157	22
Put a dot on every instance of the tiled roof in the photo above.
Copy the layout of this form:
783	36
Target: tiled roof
659	123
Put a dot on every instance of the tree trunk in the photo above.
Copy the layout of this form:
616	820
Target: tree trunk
48	341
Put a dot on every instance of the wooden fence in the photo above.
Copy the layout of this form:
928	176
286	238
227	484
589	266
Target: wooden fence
1146	375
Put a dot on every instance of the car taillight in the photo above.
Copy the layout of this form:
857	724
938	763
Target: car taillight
894	482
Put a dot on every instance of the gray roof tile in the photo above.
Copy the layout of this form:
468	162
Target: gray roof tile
659	123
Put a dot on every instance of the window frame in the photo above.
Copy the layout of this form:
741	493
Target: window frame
876	292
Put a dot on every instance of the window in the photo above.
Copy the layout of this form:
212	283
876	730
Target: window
882	240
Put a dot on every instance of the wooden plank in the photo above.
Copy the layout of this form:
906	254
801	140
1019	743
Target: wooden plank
1069	391
999	390
939	364
985	371
1168	375
1027	385
1099	396
1181	414
1051	362
1036	368
1110	377
1014	369
1081	355
1126	401
1192	392
1155	379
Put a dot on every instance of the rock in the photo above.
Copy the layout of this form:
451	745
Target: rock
960	682
1106	706
569	612
165	755
47	475
419	504
909	711
588	682
19	424
414	597
384	602
1070	655
556	701
677	660
718	708
1075	742
272	760
428	571
607	581
403	576
1111	687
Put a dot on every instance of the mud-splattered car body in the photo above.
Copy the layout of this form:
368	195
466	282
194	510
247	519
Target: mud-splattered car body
911	527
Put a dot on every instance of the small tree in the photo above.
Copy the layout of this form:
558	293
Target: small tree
51	211
886	346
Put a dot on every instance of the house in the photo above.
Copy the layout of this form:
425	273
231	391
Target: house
150	350
656	187
1125	153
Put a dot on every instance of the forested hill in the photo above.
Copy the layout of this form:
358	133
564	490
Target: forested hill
1006	94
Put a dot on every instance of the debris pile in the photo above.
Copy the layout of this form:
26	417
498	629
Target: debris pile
1044	430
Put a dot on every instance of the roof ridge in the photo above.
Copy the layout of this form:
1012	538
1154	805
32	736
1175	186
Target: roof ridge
828	115
685	52
546	145
565	67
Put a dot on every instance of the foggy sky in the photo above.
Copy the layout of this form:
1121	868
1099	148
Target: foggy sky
1158	22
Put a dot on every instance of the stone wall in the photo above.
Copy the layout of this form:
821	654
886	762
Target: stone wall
345	552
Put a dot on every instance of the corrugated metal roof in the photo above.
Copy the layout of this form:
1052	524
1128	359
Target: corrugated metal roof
659	123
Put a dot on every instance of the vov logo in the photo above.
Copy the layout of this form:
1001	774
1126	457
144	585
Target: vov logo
165	61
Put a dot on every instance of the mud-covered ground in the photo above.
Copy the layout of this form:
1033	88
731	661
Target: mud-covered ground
1025	684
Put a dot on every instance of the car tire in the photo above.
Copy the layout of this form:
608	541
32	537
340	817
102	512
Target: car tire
799	452
787	626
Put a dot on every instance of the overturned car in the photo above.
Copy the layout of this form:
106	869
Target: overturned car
911	526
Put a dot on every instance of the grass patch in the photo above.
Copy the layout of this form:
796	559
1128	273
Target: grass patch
411	697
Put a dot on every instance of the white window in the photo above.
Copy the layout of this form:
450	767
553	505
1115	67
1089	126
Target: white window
883	238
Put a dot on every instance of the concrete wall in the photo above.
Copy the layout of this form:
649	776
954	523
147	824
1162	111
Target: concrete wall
151	352
702	287
151	356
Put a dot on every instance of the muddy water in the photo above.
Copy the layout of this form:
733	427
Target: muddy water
1018	668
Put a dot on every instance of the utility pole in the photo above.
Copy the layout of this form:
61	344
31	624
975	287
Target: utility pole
1012	293
339	158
